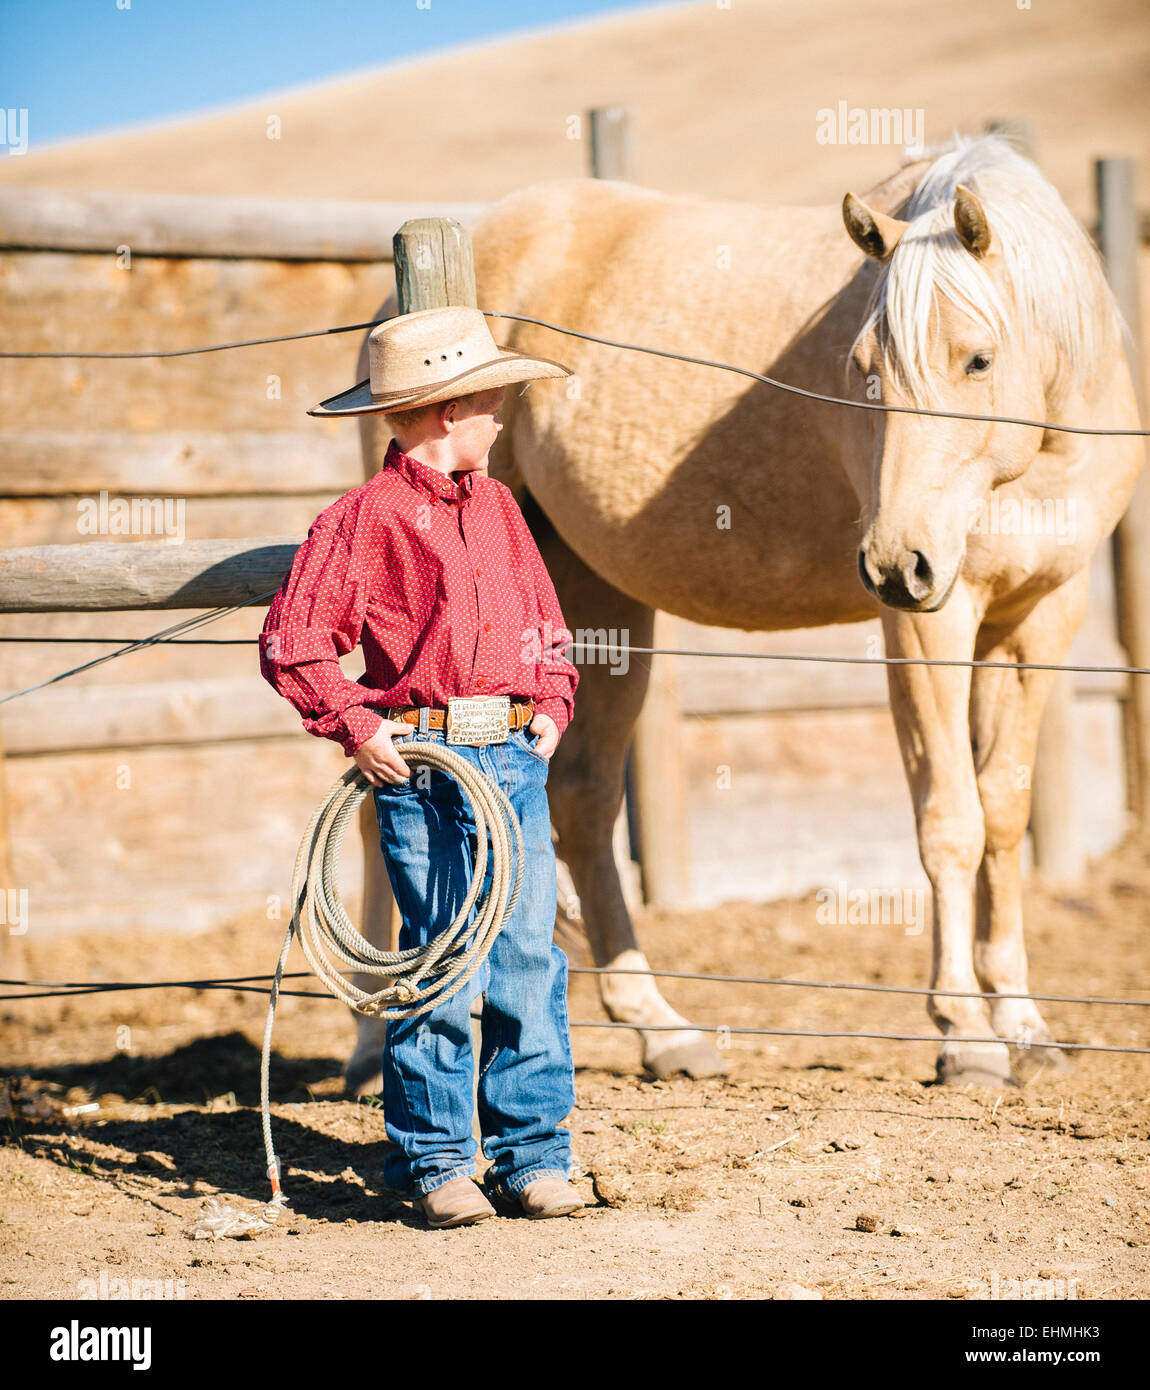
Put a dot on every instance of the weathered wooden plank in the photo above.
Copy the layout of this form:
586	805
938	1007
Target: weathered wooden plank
67	718
146	574
721	685
24	663
178	463
816	798
718	684
155	224
177	838
121	837
33	521
58	301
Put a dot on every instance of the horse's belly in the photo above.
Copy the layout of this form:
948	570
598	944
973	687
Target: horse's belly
709	554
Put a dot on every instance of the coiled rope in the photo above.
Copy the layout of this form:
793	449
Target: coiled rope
417	979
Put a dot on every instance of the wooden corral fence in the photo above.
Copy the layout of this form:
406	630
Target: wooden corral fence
169	788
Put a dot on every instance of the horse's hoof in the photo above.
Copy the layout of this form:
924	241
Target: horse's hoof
974	1064
362	1077
698	1059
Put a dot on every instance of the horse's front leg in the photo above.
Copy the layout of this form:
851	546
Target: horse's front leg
931	707
1005	712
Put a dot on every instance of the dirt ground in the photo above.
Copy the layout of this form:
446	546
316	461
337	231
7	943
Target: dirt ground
730	1188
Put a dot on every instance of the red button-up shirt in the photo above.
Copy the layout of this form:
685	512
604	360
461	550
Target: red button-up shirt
442	585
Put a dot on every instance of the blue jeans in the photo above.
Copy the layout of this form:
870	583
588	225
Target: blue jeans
526	1075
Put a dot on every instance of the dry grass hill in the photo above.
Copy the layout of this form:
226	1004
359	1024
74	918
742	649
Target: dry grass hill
726	99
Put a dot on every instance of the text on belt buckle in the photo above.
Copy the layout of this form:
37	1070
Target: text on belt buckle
478	719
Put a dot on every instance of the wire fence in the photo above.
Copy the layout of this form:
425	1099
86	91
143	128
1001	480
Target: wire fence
608	648
174	635
788	387
64	988
251	984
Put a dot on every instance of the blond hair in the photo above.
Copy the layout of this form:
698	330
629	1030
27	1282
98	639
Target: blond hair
402	421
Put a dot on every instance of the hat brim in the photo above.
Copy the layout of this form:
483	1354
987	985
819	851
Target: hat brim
509	368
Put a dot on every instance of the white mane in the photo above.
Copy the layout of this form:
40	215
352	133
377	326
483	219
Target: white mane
1059	287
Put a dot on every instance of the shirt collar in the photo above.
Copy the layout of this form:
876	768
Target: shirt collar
422	475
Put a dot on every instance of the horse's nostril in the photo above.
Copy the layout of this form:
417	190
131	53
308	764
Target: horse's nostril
919	574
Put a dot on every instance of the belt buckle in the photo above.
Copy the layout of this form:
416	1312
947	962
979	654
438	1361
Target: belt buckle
478	719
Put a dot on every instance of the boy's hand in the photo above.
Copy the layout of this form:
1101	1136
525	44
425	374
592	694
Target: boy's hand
548	732
377	758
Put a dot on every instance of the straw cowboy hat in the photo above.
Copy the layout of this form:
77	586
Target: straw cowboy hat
434	355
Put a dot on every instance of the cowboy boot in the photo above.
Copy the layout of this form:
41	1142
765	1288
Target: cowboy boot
457	1203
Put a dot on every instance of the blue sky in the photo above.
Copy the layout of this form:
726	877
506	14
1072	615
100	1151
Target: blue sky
79	66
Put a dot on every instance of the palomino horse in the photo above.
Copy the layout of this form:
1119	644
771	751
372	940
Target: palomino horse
977	292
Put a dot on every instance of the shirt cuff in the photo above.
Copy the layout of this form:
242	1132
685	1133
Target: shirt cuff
556	707
361	724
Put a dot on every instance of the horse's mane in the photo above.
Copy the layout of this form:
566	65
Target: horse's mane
1059	286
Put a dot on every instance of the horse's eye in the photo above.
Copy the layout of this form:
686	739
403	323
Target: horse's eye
979	364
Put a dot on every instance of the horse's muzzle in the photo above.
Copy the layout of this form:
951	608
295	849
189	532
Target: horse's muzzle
911	587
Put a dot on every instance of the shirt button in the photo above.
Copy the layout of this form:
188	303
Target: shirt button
486	627
480	681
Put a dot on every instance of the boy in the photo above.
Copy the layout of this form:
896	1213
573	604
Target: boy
432	568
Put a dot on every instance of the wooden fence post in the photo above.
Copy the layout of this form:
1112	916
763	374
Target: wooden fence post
13	965
434	267
613	143
1119	236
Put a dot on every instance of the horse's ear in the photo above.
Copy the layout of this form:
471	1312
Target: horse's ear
970	222
872	232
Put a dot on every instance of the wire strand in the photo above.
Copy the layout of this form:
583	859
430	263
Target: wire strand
818	395
162	639
63	989
193	352
167	641
156	639
872	660
1025	1044
615	343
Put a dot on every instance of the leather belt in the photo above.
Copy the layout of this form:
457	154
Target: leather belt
519	715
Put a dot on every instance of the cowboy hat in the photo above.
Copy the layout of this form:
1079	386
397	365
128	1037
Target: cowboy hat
434	355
